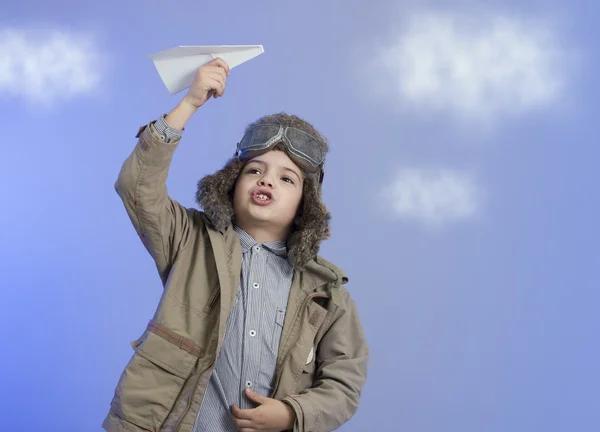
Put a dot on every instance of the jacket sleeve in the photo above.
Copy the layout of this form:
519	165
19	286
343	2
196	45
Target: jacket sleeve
342	357
162	223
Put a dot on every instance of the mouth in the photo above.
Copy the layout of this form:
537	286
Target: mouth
262	197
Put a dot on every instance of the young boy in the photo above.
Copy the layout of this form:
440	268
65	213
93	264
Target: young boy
254	331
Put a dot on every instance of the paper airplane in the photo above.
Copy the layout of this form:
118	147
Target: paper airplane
177	66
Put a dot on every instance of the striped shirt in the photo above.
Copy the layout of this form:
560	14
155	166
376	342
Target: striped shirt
249	353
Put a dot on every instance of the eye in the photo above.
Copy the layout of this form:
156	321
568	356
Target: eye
253	171
287	180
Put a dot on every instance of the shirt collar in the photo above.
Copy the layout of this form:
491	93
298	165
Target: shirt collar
278	247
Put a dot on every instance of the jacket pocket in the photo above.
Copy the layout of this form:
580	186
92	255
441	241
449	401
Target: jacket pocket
307	377
154	377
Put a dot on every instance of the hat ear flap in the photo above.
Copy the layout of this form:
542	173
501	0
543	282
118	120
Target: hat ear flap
311	225
215	194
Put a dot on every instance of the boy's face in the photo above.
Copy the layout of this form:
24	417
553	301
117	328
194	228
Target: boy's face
267	193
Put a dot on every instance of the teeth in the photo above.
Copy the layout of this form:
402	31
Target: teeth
262	197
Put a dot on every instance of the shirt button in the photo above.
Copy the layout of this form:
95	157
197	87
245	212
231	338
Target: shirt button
252	333
255	285
256	248
248	384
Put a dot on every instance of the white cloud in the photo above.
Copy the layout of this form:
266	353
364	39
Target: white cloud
45	66
475	67
433	197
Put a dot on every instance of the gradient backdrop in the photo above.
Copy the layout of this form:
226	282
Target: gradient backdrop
462	181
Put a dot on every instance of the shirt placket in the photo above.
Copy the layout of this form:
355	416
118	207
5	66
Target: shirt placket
251	353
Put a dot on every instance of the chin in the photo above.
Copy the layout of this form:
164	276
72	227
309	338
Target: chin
261	216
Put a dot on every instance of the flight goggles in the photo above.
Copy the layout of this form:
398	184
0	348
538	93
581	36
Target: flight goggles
304	149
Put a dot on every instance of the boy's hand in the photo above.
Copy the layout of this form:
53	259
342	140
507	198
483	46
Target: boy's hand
209	81
271	416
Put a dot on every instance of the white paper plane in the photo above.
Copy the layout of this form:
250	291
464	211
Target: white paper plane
177	66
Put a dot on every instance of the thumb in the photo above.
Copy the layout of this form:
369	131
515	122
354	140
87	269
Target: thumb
255	397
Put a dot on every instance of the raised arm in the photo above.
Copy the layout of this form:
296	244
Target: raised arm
161	222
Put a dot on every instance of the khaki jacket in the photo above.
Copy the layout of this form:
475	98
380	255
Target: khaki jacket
322	360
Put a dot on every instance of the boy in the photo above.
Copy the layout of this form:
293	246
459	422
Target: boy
254	331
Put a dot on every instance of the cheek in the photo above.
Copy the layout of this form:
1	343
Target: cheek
238	193
294	204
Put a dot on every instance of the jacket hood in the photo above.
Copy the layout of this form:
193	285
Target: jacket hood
311	225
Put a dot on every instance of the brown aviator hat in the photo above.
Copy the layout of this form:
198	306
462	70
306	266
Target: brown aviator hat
311	226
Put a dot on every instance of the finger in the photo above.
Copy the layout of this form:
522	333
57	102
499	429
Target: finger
219	90
221	63
221	80
215	86
218	70
243	423
255	397
216	73
242	414
224	65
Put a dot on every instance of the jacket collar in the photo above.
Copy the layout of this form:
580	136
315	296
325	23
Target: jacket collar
318	275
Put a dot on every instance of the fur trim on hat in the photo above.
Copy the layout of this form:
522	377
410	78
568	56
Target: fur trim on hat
311	226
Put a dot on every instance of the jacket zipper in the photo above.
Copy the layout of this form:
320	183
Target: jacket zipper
189	403
297	335
212	301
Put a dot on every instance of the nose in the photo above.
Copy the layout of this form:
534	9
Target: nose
265	181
